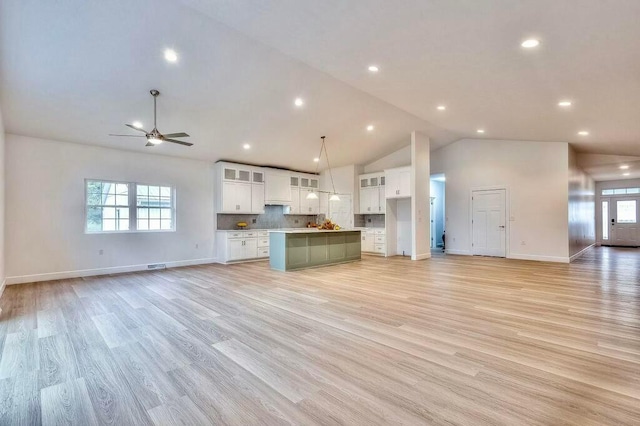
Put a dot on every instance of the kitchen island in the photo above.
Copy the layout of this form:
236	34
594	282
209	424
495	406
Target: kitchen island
291	249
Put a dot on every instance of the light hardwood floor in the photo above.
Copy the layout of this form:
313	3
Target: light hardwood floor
451	340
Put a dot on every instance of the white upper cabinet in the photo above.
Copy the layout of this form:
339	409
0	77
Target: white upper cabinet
277	187
257	176
398	182
247	189
309	206
372	195
239	189
295	200
257	191
236	197
301	185
236	172
257	198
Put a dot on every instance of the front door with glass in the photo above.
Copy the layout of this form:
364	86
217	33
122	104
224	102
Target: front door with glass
623	221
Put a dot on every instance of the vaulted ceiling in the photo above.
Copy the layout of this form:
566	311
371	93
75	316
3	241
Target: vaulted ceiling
77	70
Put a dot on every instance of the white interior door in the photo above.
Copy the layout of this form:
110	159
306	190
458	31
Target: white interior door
488	223
624	221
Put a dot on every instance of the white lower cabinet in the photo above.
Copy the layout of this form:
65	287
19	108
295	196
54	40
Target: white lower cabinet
367	241
374	241
235	246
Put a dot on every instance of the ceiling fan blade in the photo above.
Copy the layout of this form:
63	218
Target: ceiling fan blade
149	144
178	142
135	128
128	136
176	135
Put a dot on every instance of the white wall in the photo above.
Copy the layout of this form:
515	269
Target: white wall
582	232
399	158
611	184
45	210
420	205
535	175
2	205
344	179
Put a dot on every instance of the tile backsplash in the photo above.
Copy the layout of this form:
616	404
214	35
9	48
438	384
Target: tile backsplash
272	218
369	221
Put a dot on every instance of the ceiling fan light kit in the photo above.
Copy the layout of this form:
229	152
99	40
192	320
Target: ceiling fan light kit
154	137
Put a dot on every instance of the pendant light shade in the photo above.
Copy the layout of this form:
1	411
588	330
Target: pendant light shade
334	197
312	196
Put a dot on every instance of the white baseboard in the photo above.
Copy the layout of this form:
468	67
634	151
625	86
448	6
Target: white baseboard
458	252
2	286
580	253
22	279
421	256
537	258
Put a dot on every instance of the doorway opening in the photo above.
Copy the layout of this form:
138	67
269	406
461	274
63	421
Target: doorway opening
437	186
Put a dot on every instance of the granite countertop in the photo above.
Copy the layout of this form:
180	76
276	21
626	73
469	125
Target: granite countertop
310	230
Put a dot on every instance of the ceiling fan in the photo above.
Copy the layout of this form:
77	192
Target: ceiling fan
154	137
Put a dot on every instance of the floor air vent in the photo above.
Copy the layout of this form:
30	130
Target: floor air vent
157	266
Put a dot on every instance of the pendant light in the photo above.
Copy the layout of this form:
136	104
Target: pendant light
334	196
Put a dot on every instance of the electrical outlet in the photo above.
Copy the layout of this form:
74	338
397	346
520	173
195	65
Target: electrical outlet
295	221
100	252
197	245
253	221
523	243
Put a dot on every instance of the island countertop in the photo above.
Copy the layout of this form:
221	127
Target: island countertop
310	230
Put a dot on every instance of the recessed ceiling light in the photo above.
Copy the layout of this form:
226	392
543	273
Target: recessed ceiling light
564	104
530	43
583	133
480	130
298	102
246	146
441	107
370	128
315	160
624	167
373	68
137	124
626	174
170	55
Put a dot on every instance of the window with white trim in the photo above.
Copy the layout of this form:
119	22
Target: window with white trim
128	207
